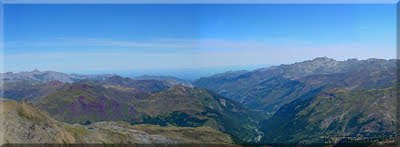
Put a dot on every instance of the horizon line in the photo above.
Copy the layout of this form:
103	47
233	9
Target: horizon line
102	72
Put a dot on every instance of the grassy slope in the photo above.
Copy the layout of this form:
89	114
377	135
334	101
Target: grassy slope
22	119
26	124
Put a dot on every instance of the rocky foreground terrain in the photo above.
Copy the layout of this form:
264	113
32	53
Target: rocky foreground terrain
23	123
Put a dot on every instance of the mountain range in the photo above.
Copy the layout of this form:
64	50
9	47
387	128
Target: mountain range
318	98
310	101
37	76
144	101
270	88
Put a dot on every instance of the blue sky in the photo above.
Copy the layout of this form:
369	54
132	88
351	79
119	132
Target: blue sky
139	37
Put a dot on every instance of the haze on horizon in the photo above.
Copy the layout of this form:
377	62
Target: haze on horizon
174	38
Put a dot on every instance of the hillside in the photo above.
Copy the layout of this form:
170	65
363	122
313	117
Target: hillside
23	123
333	113
81	102
142	85
181	106
28	90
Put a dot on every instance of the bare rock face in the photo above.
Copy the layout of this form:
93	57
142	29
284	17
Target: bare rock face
23	123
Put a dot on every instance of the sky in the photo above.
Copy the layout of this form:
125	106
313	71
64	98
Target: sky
152	38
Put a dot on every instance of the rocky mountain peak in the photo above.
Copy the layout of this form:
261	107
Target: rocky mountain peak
323	59
35	71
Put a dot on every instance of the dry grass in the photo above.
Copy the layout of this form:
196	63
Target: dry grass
77	130
187	134
21	116
23	109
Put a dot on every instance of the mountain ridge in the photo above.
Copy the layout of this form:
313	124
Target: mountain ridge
255	86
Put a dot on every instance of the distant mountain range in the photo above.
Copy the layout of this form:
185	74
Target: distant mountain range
170	79
308	101
37	76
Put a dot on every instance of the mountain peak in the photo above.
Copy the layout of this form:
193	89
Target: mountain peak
35	71
323	59
352	60
180	88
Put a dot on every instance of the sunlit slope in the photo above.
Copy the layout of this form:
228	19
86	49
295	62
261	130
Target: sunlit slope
23	123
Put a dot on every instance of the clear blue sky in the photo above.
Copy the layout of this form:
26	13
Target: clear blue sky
78	38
